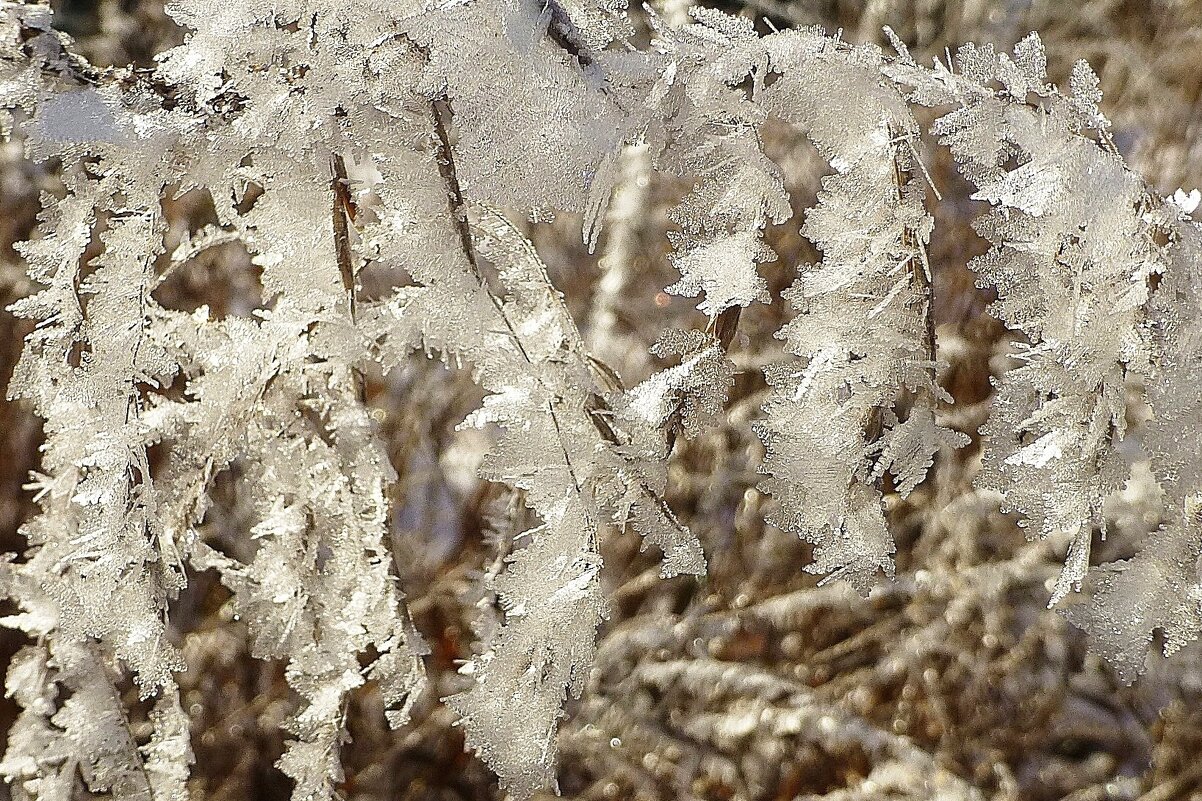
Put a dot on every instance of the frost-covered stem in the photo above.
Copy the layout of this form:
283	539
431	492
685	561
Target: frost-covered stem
555	441
596	407
708	131
1072	251
863	328
98	668
1161	586
459	217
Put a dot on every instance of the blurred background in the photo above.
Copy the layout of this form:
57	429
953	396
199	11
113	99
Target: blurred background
953	682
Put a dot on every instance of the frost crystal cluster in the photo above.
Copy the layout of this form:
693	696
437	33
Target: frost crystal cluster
346	136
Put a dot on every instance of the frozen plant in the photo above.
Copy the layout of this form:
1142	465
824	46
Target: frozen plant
337	140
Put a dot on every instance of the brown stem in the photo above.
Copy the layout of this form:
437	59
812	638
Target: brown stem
343	208
342	213
440	112
596	409
725	325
